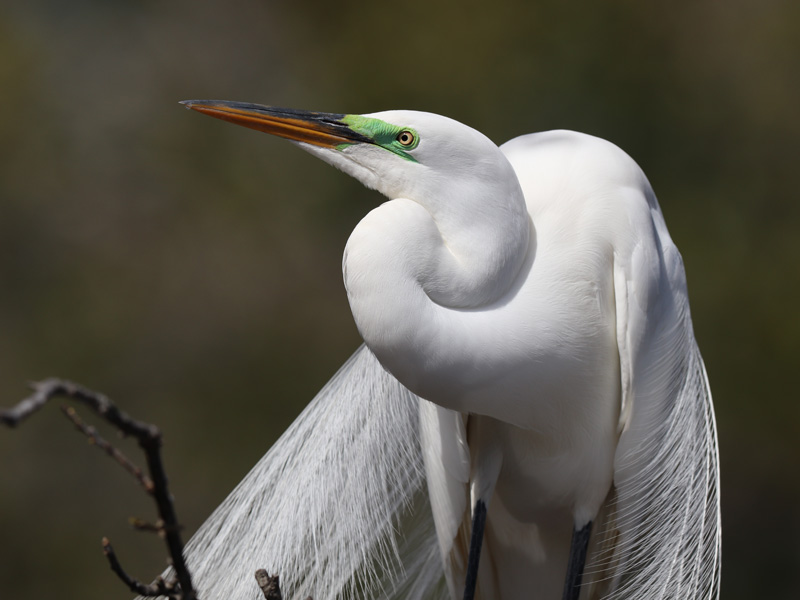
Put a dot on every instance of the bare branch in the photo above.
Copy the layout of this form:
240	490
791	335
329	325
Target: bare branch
270	585
149	439
43	391
157	527
94	438
158	588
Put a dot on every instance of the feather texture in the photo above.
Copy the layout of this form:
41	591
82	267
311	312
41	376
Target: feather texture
366	530
333	506
666	470
534	294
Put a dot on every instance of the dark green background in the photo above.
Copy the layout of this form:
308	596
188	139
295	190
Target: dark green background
191	269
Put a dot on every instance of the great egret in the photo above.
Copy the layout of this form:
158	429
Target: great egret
530	363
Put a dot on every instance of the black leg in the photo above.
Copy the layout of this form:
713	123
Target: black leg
577	560
475	542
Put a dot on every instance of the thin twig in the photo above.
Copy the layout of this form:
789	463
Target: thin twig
141	525
94	438
158	588
269	584
149	438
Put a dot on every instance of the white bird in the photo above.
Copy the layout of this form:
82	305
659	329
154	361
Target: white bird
529	363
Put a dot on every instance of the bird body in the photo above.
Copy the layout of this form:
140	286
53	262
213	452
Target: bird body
531	303
538	363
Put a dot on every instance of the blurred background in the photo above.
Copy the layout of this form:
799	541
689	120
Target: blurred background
192	270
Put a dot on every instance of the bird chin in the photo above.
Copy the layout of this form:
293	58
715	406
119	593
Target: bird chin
345	160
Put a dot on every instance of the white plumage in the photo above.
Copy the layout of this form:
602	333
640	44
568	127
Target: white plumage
532	295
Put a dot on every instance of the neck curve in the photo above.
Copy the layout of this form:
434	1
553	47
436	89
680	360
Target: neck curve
407	265
475	252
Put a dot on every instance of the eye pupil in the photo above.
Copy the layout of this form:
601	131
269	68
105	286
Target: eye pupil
406	138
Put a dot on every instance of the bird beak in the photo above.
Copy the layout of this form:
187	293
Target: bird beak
326	130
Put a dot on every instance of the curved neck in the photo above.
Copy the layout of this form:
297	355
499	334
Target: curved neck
476	251
404	264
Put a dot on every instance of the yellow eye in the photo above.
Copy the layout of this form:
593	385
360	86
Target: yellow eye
406	138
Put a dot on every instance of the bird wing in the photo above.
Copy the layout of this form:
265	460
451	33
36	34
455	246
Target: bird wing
338	507
447	465
666	464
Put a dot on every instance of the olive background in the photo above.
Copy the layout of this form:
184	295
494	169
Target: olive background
191	270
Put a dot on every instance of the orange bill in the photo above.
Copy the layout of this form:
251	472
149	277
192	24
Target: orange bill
320	129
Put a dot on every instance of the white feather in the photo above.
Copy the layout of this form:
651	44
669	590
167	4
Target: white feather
534	294
323	508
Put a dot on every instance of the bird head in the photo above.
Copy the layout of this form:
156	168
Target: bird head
416	155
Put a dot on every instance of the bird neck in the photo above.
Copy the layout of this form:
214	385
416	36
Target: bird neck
405	263
472	254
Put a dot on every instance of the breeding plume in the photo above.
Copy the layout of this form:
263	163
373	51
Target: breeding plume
529	415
